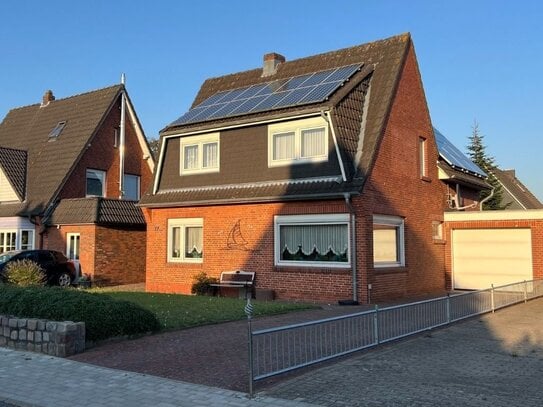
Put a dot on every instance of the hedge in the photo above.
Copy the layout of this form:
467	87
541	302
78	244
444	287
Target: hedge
104	316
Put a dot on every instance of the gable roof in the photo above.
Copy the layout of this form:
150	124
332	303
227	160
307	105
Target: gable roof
381	64
515	191
97	210
13	162
50	161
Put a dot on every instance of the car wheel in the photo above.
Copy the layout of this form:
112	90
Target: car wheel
64	280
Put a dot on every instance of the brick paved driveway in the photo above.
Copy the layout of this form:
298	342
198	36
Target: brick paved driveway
493	360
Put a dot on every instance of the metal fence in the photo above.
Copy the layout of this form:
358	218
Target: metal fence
278	350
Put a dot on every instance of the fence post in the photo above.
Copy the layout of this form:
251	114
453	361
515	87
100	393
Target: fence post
376	324
448	308
492	297
525	292
249	313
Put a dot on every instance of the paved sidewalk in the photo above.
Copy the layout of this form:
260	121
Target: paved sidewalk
30	379
493	360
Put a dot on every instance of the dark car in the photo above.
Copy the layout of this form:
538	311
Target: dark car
58	269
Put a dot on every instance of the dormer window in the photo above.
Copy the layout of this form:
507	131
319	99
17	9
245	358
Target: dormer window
298	142
57	130
200	154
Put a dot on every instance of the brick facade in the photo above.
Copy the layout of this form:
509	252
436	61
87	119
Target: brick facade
109	254
103	155
394	187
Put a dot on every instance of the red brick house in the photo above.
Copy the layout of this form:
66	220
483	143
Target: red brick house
318	174
60	169
514	193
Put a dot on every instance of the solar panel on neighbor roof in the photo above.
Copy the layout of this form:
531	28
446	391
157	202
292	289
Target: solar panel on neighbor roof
454	156
298	90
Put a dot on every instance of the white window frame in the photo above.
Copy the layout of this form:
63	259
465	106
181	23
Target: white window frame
183	223
399	224
30	240
17	237
296	127
138	179
102	175
199	141
78	252
327	219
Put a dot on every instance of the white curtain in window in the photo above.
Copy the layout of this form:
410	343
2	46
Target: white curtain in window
385	243
313	142
210	155
193	239
190	159
284	146
176	242
321	237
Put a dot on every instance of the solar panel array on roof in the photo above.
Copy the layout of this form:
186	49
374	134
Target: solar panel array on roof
298	90
454	157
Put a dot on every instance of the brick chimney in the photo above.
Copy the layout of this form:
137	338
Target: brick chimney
47	97
511	172
271	61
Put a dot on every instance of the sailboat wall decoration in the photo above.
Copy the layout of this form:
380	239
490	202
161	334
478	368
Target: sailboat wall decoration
235	240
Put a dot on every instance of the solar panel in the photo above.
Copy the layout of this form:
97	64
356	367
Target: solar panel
454	156
303	89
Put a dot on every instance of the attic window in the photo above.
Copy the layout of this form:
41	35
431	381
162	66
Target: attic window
57	130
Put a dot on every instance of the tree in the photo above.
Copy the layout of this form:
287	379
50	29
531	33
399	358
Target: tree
477	153
154	145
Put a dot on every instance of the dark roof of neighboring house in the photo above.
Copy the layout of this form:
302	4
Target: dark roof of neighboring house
97	210
381	61
13	162
516	190
50	161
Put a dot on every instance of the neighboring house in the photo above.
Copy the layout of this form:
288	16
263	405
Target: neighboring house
514	193
60	166
463	179
318	174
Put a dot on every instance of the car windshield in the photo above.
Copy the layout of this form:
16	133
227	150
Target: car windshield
7	255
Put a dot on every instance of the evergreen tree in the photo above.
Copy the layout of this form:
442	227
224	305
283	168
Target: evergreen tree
154	146
477	153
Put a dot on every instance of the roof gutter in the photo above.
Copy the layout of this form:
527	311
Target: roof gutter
214	129
326	116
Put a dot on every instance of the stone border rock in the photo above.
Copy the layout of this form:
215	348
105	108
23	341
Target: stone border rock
60	339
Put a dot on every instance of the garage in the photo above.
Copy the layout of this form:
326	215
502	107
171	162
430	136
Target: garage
485	256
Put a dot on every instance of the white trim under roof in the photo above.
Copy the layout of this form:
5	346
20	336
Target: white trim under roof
253	184
158	172
508	214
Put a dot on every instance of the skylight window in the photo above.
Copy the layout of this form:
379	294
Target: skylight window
57	130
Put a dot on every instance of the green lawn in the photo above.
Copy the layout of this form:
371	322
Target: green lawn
175	311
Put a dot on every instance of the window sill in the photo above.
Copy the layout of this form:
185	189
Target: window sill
440	241
311	269
390	269
426	179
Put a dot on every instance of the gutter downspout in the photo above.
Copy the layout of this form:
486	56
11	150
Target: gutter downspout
326	116
122	140
486	199
349	205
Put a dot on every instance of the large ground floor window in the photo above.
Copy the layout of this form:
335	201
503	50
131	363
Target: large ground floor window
388	241
16	240
312	240
185	240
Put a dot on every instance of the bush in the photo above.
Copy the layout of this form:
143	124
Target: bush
202	284
25	273
104	317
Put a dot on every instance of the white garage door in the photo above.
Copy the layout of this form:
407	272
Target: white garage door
482	257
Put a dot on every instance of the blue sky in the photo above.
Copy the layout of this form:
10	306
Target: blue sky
479	60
